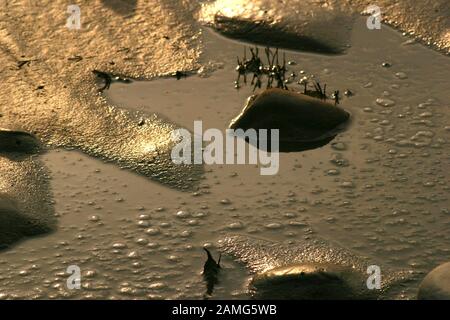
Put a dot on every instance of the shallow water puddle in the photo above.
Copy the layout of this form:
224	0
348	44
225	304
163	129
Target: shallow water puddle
357	191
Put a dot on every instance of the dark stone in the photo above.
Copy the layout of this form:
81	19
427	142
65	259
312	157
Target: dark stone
304	122
436	285
311	281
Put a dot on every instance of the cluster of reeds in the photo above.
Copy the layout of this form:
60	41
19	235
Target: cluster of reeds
273	71
275	74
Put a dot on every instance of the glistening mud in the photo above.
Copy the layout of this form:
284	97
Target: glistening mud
378	192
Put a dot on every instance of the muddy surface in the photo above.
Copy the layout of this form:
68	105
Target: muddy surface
379	190
50	89
325	263
305	25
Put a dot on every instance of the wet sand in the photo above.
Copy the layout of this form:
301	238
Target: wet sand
123	231
381	191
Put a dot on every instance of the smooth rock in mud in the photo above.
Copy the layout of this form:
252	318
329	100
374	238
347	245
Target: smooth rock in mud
436	285
308	269
311	281
304	122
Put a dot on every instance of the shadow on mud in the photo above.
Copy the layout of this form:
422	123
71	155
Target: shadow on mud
26	208
122	7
